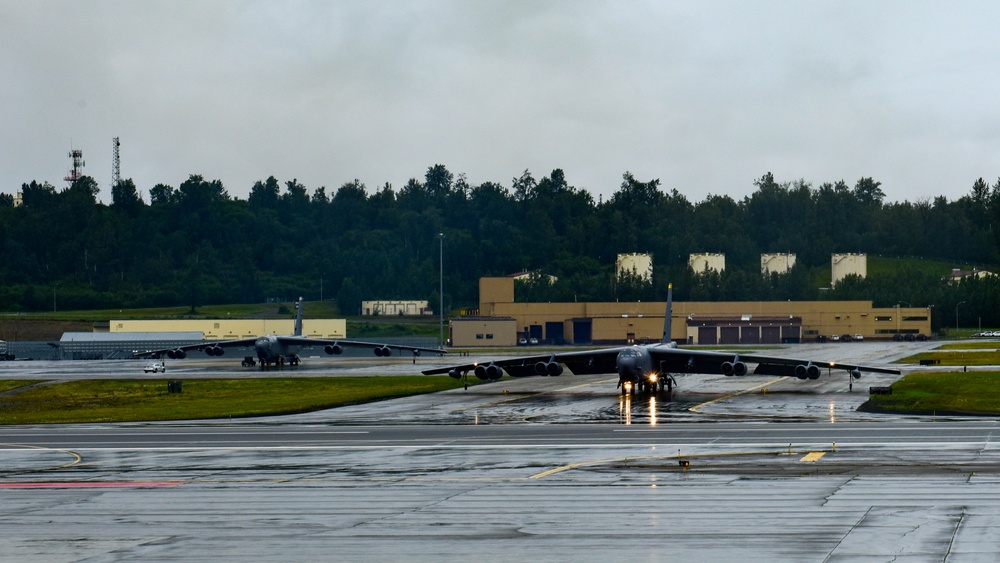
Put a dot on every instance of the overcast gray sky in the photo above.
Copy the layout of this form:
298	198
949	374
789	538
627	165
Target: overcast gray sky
706	96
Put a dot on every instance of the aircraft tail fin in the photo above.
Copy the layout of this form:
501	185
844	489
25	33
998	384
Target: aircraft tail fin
668	317
298	317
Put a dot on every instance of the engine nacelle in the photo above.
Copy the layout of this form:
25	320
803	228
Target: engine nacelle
177	354
734	368
333	349
807	371
541	369
488	373
554	368
383	351
215	350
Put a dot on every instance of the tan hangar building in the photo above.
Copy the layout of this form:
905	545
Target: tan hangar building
502	321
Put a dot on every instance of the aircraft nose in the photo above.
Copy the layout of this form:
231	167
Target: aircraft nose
627	366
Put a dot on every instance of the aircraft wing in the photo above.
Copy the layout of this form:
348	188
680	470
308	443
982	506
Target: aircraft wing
677	360
323	342
579	362
240	343
667	358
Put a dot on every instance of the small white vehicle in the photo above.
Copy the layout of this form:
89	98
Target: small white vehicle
156	367
858	338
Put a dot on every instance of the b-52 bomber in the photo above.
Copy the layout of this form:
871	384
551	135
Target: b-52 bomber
281	350
649	368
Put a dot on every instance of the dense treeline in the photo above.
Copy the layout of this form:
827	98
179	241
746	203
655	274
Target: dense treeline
195	244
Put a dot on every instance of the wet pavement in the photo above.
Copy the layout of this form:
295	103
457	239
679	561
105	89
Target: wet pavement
547	469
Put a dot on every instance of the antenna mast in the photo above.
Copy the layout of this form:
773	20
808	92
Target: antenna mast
116	175
77	172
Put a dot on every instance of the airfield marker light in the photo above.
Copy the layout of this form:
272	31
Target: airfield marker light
684	464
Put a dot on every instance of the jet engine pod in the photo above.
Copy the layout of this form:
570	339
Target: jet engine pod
177	354
807	371
541	368
214	350
554	368
454	374
488	373
813	372
333	349
737	368
383	351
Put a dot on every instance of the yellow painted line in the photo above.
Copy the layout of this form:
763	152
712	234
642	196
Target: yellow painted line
76	458
695	408
649	457
812	456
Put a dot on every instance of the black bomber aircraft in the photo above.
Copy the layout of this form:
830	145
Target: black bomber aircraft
647	368
281	350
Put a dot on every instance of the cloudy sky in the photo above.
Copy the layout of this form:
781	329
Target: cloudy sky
706	96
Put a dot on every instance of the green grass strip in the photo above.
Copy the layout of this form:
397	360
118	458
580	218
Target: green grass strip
143	400
958	358
942	393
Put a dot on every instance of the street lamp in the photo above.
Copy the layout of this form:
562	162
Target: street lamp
441	287
956	315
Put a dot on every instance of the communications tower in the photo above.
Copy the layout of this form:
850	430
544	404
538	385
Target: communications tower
116	175
77	172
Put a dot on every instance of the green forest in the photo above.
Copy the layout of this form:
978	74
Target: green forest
197	245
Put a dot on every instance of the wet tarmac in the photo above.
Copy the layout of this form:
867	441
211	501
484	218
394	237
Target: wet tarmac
546	469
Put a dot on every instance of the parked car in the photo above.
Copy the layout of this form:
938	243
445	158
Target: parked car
533	341
834	338
859	337
155	367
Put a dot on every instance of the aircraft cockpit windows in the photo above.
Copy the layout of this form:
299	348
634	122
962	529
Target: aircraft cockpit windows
629	353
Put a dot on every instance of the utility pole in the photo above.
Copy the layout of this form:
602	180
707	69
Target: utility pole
441	287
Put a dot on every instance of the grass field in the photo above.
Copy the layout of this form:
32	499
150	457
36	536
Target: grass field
973	393
959	357
142	400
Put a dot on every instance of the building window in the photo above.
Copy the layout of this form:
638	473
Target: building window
883	319
489	337
479	337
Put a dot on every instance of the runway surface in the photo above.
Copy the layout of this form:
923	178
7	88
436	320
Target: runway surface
546	469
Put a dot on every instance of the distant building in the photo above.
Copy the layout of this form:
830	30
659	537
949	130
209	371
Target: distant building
707	261
958	275
396	308
776	263
525	276
18	199
843	265
641	264
231	329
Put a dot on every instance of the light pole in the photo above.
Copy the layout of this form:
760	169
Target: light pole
441	286
956	315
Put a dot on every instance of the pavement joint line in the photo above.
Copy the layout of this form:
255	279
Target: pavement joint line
695	408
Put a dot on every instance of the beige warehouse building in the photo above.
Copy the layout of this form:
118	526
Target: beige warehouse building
693	322
229	329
